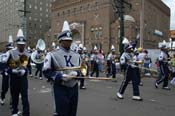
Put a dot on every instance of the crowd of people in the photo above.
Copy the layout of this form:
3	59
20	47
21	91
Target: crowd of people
17	63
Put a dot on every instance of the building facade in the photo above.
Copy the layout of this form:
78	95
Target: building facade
94	22
9	20
36	22
172	34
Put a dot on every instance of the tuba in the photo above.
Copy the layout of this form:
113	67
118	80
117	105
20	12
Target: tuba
38	55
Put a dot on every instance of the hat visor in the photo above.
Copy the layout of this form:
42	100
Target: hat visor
21	42
11	47
66	38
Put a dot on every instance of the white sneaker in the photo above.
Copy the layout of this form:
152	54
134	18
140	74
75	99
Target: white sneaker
41	78
19	112
2	101
120	96
137	98
15	115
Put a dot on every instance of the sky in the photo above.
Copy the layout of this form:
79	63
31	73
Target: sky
171	4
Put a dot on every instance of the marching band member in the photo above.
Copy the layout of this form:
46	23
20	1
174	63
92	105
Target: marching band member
80	51
130	74
85	56
94	62
111	63
5	75
138	61
65	87
39	57
164	70
15	58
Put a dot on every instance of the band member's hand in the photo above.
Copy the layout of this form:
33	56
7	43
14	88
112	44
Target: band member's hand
58	77
21	72
149	65
73	73
15	71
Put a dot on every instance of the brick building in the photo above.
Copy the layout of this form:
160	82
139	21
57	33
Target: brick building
37	21
93	22
172	34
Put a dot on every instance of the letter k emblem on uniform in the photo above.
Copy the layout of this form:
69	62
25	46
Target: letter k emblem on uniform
68	61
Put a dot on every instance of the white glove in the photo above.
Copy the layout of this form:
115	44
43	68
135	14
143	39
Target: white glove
21	72
6	74
73	73
149	65
66	78
15	71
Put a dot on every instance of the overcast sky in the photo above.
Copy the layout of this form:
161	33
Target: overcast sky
171	4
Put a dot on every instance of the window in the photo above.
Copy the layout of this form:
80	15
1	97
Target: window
30	6
81	8
68	12
58	14
74	11
36	7
40	8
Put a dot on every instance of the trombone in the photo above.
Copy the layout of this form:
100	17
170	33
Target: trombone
83	70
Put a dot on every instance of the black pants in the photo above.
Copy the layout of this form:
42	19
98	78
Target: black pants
81	82
66	100
130	75
164	75
138	74
95	69
19	85
39	69
29	69
5	84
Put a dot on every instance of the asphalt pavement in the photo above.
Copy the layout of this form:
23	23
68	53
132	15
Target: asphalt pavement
99	99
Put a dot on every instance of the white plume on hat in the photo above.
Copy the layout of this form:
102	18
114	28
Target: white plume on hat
20	39
80	46
164	42
20	33
125	41
57	47
95	47
10	39
53	44
66	26
112	47
28	48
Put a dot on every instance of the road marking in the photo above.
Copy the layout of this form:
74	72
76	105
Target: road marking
46	90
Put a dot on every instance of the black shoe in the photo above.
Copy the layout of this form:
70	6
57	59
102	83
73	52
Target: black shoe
166	88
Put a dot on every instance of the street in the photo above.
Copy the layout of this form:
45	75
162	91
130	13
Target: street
99	99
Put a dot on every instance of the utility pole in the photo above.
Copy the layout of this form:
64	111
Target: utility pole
119	6
142	24
25	18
